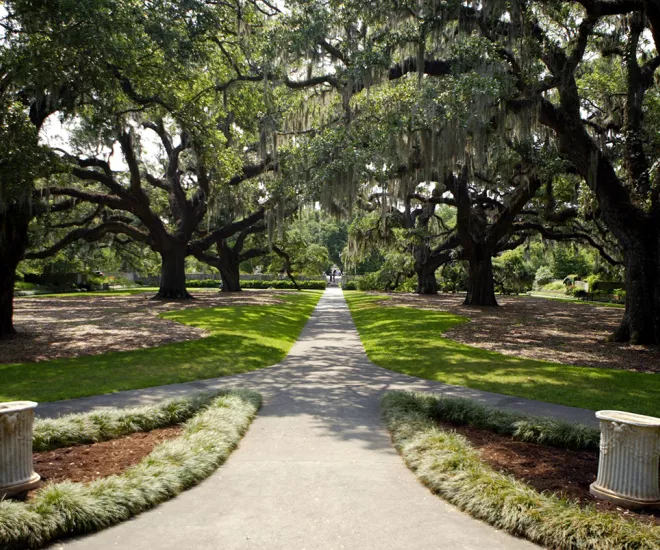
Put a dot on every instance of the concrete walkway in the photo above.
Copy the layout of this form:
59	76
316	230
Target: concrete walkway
317	469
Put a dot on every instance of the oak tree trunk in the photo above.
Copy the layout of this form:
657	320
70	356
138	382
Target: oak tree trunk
13	242
481	287
641	320
173	274
229	271
426	282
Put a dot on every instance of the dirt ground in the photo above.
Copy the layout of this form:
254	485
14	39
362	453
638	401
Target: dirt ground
560	471
88	462
537	328
71	326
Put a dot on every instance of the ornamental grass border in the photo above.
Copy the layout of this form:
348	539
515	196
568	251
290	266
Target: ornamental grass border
65	509
543	430
105	424
450	467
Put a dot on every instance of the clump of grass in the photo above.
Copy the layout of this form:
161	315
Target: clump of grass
520	426
449	466
91	427
64	509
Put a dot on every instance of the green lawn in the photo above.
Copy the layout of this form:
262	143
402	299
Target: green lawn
410	340
243	338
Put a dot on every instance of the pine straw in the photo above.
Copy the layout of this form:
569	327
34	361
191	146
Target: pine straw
65	509
452	468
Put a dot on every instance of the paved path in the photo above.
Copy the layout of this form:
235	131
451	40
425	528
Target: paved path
316	469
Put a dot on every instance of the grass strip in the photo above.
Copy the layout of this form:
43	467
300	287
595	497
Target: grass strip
523	427
103	425
66	509
410	340
447	464
242	339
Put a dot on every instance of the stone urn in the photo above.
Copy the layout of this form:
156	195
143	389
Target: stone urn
629	459
16	473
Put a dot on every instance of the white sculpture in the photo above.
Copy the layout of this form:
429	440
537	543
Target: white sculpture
629	459
16	473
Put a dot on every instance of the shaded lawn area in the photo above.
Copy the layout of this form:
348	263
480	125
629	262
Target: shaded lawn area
122	292
243	338
410	341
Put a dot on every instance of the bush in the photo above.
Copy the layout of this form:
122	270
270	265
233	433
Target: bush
591	280
554	286
543	276
22	285
284	284
619	293
369	281
279	284
349	285
203	283
408	285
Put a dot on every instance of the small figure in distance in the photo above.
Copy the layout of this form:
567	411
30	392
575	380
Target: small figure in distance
332	277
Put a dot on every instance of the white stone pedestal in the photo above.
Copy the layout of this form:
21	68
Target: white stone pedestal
629	458
16	473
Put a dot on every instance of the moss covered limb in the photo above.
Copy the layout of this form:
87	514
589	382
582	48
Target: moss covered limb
450	467
65	509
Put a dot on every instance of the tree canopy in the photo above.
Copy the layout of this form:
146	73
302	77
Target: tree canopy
442	132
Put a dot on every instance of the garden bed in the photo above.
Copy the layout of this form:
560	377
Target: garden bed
563	472
487	475
65	508
83	463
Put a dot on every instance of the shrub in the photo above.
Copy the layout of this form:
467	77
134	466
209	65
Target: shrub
447	464
280	284
554	286
543	276
285	284
408	285
591	280
22	285
203	283
369	281
349	285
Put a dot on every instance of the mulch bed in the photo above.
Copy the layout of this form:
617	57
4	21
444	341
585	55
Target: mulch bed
72	326
561	471
83	463
537	328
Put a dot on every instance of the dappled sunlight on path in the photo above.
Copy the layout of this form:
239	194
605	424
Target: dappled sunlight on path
316	469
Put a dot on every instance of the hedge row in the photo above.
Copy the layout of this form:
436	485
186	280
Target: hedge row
66	509
448	464
284	284
280	284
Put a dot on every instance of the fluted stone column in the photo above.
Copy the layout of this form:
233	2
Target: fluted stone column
629	459
16	473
